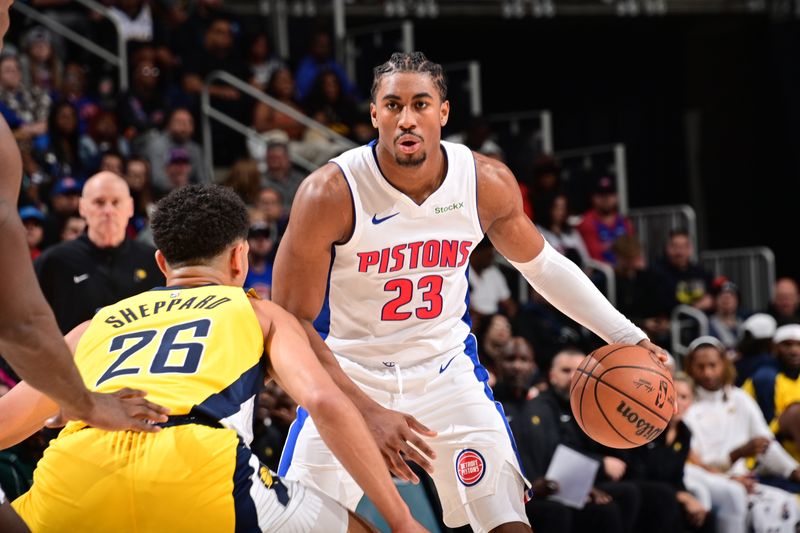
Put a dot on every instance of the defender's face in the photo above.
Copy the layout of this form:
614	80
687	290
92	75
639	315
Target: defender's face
409	115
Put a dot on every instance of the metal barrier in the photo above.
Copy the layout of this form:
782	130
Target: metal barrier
751	269
610	278
120	60
542	138
208	113
471	86
686	324
606	157
653	225
378	51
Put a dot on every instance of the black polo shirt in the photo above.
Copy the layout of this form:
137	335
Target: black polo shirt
78	278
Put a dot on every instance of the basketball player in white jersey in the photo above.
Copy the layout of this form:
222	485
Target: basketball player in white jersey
374	264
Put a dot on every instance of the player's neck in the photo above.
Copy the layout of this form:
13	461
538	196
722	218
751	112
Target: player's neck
196	276
418	182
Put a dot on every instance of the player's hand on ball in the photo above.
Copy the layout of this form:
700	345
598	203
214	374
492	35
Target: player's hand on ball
398	438
660	352
125	409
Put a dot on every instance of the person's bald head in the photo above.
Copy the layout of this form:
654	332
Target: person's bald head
106	204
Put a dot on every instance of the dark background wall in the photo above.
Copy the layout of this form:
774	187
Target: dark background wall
638	81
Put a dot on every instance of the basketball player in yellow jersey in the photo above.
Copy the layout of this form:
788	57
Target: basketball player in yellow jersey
201	346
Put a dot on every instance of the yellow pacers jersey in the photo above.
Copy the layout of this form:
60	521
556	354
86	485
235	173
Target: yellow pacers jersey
194	350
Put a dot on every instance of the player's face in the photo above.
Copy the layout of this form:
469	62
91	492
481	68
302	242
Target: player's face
409	115
685	396
5	5
708	368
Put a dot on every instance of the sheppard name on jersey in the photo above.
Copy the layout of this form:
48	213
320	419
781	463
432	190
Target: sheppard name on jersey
427	254
130	315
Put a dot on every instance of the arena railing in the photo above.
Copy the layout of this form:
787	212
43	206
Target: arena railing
752	269
118	60
653	224
513	124
379	34
208	113
615	164
686	324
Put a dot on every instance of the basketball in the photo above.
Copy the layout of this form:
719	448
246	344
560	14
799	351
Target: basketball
622	395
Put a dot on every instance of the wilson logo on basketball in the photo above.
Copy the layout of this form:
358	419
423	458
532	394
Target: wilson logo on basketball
470	467
643	427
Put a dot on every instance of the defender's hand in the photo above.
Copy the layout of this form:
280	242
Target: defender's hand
398	438
125	409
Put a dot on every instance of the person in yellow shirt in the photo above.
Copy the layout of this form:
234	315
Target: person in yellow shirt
777	389
202	347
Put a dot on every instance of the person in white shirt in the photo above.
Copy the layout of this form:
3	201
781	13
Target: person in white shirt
729	434
489	291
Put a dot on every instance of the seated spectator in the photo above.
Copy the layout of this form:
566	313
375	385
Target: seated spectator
270	208
245	179
754	350
137	175
729	431
492	337
785	304
102	136
638	293
64	199
726	322
262	243
684	280
540	185
603	223
142	109
320	57
73	89
537	434
489	291
330	106
58	153
552	220
280	173
41	65
179	133
663	459
262	61
74	227
25	108
33	220
179	170
777	391
112	161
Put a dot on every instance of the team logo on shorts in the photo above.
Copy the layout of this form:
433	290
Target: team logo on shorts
470	467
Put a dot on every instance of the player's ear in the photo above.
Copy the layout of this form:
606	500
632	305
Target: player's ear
161	261
444	113
373	114
238	259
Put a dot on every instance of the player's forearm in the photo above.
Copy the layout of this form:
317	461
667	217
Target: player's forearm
567	288
36	351
346	434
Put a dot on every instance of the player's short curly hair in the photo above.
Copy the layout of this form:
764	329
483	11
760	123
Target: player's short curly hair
410	62
195	223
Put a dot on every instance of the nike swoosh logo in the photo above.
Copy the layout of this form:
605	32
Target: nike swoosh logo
82	277
444	367
376	220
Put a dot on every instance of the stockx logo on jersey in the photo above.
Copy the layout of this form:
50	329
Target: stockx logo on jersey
441	210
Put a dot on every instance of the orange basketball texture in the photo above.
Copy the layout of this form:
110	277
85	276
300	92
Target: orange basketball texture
622	396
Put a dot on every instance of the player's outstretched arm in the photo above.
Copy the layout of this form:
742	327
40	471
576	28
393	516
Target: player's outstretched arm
322	215
24	409
555	277
296	368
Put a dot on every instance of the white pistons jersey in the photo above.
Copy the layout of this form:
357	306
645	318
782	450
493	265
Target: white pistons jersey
398	289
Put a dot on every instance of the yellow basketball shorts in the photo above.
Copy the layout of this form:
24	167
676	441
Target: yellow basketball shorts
185	478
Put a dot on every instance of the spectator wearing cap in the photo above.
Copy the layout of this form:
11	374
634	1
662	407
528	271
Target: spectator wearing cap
261	239
602	223
179	133
64	201
754	349
102	266
726	321
777	391
178	170
730	434
684	281
33	220
785	304
41	65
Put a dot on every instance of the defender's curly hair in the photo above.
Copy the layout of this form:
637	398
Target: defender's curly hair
195	223
410	62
